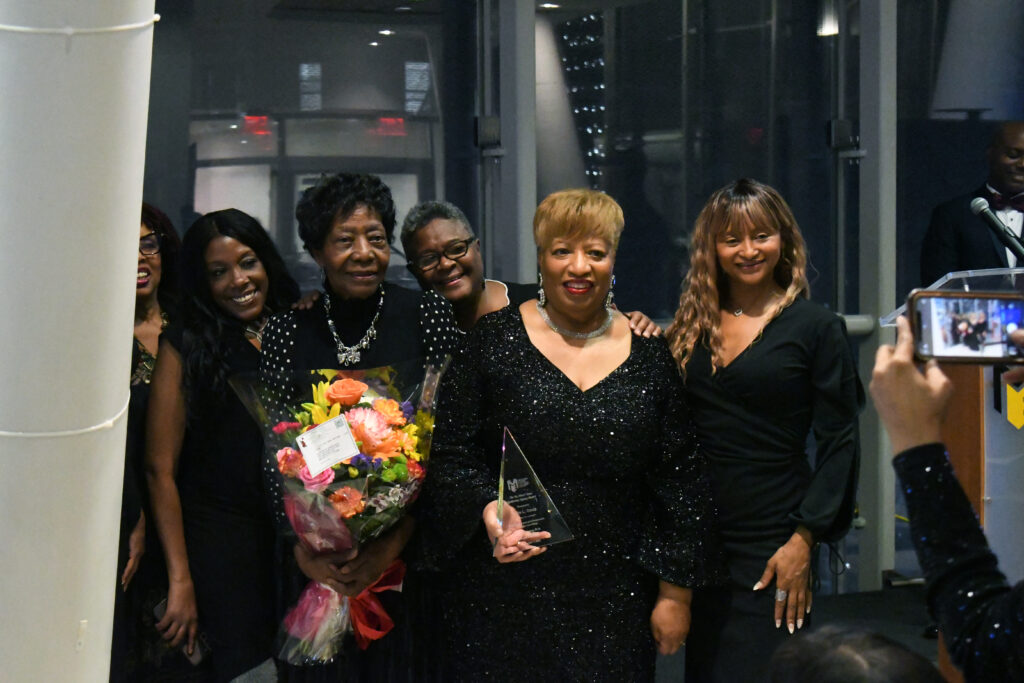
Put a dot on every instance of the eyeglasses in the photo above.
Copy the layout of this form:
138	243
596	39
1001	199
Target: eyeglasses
150	244
428	260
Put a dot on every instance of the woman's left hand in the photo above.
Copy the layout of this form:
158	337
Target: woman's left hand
791	568
670	618
642	326
306	301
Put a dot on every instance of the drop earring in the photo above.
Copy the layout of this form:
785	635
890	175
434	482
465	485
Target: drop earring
542	299
608	300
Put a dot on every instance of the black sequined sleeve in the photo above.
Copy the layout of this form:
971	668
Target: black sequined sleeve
680	542
459	481
981	617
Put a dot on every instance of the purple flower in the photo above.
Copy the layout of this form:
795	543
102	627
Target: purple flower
365	463
408	410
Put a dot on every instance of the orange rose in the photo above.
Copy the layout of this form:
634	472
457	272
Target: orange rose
346	391
392	412
347	501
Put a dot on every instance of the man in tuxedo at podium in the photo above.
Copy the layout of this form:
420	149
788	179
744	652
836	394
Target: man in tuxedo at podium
959	240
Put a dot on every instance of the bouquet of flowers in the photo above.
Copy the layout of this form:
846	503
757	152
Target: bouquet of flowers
351	451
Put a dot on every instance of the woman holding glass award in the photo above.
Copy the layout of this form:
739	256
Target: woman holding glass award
763	368
599	412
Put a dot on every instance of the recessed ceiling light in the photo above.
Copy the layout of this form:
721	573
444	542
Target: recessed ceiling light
549	5
234	126
386	32
374	43
403	8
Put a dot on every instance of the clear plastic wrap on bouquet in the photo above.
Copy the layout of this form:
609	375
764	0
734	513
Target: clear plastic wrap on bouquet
365	468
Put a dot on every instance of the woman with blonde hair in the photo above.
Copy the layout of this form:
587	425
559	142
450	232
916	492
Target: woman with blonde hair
599	413
764	367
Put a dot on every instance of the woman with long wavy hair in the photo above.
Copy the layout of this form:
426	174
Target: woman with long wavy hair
204	452
764	367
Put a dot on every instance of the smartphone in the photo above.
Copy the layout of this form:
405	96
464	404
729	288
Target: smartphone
201	649
966	327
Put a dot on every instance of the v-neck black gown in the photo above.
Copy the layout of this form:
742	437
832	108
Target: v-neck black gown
621	464
753	418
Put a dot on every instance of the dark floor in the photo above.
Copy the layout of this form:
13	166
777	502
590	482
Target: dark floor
899	613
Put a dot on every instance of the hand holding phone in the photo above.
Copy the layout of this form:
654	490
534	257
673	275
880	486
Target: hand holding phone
200	649
966	327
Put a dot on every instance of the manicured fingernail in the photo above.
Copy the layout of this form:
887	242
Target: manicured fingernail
778	623
808	609
790	627
799	623
758	586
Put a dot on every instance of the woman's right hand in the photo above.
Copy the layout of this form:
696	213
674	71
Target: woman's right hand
181	620
325	568
510	540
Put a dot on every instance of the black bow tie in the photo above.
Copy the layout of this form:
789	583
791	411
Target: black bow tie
999	202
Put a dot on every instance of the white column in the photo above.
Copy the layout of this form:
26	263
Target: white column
516	191
877	273
72	131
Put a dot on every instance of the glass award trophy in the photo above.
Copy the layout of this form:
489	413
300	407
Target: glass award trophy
521	490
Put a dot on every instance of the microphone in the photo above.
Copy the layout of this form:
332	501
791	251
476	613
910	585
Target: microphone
979	207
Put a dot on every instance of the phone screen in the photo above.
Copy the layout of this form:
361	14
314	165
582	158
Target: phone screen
967	327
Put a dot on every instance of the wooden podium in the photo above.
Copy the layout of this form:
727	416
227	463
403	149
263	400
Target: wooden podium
965	442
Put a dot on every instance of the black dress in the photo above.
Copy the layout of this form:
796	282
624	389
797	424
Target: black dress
981	616
295	342
620	462
753	418
442	335
229	532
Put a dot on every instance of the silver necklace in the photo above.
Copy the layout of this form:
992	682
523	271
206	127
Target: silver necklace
349	355
572	334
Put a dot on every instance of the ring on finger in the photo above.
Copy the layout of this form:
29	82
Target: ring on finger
780	594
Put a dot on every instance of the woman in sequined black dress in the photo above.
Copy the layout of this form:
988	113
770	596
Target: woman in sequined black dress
980	615
601	416
764	367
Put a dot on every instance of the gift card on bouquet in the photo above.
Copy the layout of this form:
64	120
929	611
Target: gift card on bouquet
327	445
520	494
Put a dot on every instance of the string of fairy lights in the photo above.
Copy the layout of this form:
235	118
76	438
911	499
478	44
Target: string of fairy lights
581	43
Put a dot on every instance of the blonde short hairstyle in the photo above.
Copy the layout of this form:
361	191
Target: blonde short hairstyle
580	212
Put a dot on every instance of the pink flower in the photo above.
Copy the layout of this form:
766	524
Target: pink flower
290	461
282	427
319	482
369	427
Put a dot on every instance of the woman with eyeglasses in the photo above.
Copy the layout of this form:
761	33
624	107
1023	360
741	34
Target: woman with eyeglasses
444	255
139	571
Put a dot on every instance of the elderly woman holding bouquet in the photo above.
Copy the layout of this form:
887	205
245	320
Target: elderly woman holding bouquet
347	222
600	414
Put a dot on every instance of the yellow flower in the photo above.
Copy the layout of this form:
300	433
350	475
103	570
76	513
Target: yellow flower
424	421
353	472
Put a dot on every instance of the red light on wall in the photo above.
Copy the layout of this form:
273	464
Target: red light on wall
256	125
390	125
